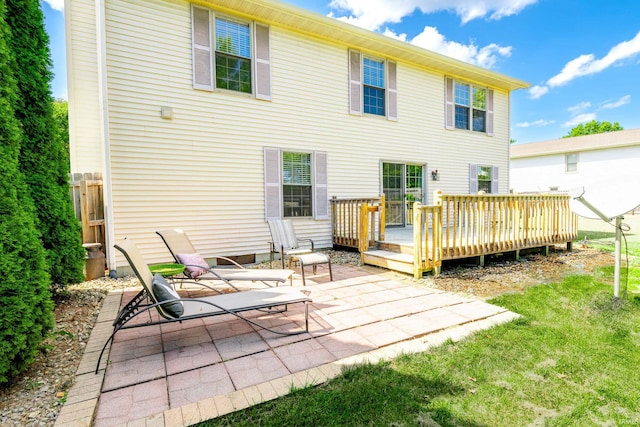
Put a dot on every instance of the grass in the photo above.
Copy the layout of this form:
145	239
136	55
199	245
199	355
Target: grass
571	360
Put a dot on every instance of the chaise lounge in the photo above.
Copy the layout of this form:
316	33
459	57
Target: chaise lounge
198	269
159	296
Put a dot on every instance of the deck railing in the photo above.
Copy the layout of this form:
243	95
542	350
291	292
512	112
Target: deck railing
464	226
349	228
475	225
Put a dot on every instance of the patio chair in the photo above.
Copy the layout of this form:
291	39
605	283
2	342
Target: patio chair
198	269
285	242
158	295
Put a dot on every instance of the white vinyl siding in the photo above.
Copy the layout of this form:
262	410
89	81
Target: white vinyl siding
203	169
85	112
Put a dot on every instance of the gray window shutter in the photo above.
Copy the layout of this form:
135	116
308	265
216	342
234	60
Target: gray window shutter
449	106
320	190
262	62
473	178
489	112
355	82
201	48
392	91
494	180
272	187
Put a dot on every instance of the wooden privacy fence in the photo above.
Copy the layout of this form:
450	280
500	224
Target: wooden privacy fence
350	225
86	193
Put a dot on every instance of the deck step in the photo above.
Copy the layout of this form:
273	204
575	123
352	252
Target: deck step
403	248
389	260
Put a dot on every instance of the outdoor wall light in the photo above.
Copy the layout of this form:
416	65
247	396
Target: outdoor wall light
435	175
166	112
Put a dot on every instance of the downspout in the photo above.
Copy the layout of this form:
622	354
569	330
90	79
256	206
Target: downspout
107	187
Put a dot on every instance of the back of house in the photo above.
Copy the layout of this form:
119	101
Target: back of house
213	116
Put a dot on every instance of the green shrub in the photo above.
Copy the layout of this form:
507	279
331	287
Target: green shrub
44	157
26	310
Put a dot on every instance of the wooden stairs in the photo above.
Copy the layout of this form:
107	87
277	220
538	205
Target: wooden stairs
392	256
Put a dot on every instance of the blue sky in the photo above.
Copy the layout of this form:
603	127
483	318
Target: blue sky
582	58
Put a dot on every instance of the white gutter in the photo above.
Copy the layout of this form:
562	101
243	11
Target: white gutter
106	144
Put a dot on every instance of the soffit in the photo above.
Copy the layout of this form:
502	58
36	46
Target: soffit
315	25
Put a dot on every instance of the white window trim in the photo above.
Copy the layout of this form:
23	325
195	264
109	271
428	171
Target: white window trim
566	162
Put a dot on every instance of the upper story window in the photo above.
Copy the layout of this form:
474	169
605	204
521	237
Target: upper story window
571	162
230	54
372	86
468	107
233	56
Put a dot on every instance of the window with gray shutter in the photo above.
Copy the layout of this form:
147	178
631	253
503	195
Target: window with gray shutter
490	112
355	82
468	107
392	91
295	184
473	178
263	62
449	108
494	180
272	186
201	49
224	55
320	189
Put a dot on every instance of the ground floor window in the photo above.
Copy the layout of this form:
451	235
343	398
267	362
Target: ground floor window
483	178
296	184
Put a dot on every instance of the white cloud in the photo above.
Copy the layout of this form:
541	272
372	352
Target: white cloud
585	65
580	118
55	4
389	33
536	92
485	56
372	14
619	103
537	123
579	107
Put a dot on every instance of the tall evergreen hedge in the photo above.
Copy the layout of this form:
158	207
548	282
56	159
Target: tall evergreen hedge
26	310
44	158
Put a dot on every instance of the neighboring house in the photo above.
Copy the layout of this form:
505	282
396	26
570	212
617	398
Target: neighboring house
215	115
567	163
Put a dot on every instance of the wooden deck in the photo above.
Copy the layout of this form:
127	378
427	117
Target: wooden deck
463	226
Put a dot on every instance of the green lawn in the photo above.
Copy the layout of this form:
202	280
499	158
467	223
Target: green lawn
571	360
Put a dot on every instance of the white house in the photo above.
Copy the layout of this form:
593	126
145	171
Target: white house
213	115
567	163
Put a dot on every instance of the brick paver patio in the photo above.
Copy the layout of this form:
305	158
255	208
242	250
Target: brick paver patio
181	373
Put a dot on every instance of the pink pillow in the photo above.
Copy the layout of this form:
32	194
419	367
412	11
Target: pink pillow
195	264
